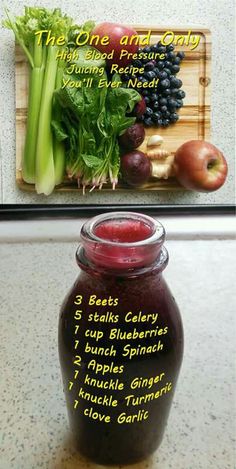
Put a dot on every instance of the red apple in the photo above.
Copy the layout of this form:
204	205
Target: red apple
115	32
200	166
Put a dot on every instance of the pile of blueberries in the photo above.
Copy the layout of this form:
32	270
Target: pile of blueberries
162	102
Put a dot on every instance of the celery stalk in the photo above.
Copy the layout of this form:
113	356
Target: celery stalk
59	147
34	100
45	173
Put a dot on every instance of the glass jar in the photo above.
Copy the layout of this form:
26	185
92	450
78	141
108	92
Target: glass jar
120	339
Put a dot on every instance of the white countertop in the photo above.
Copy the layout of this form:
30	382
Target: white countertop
35	433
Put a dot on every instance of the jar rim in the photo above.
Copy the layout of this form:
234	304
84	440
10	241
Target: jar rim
157	235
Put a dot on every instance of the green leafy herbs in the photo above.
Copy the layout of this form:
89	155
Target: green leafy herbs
91	119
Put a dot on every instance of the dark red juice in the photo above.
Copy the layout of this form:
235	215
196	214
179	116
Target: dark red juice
120	341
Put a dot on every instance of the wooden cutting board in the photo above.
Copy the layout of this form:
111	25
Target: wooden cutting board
194	122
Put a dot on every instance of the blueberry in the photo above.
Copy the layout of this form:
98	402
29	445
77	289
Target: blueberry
177	61
149	66
174	117
166	92
181	55
179	103
148	112
157	72
165	122
145	92
159	122
154	48
171	56
167	70
147	49
179	84
161	49
174	91
148	122
175	68
160	64
163	101
180	94
137	63
166	114
150	75
142	79
125	77
165	83
156	116
163	108
171	103
147	100
170	47
155	106
174	82
163	75
154	97
168	64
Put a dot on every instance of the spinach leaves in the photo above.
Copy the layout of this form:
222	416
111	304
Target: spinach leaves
89	121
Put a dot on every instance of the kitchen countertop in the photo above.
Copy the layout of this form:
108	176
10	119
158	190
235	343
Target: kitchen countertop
35	434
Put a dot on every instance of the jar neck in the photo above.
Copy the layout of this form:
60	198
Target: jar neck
92	269
122	244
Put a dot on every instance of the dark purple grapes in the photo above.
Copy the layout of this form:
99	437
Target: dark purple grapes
165	97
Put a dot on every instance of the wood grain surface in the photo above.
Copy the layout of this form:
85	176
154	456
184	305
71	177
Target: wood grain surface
194	122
